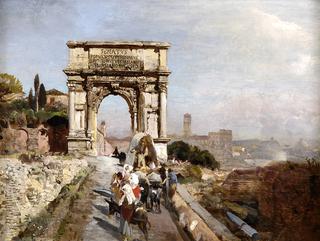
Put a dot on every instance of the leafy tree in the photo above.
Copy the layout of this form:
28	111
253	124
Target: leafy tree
36	91
4	90
179	149
42	97
9	84
204	158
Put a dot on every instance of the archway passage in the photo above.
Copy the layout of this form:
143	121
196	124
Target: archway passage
137	71
114	126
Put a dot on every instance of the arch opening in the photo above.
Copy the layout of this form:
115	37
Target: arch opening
113	125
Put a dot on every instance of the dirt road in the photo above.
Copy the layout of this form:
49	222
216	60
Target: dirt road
88	220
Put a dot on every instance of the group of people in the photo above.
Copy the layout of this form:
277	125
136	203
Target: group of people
127	194
127	191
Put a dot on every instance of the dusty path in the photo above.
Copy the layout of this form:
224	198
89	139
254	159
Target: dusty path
97	226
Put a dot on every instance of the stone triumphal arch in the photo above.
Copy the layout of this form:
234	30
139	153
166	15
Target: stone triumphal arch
136	71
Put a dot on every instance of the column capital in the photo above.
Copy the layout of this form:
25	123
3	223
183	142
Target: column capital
71	86
163	86
89	86
142	86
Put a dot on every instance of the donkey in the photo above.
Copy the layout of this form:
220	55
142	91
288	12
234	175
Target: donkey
140	217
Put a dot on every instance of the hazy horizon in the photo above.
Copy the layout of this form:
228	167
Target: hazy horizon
249	66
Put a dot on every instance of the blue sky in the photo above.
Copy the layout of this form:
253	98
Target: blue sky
251	66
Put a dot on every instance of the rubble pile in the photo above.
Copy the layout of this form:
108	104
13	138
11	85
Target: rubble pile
281	200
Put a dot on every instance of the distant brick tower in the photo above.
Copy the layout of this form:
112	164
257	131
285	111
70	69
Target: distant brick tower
187	125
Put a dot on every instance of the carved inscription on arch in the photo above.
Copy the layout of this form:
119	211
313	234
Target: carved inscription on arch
115	59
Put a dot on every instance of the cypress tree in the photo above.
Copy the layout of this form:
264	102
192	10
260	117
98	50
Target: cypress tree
36	91
31	99
42	97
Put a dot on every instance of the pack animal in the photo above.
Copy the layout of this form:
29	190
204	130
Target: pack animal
155	199
140	217
146	152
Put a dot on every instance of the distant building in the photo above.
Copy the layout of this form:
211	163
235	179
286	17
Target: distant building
55	96
187	125
218	143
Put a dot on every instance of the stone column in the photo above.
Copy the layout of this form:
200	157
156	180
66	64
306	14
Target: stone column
94	130
72	89
91	113
136	120
141	108
133	126
91	132
163	109
90	120
90	106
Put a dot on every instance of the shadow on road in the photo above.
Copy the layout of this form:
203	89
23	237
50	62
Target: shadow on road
103	209
108	227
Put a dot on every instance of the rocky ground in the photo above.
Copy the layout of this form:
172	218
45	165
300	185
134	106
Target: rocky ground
281	200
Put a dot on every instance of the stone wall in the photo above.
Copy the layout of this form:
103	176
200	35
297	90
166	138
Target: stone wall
41	139
13	140
27	189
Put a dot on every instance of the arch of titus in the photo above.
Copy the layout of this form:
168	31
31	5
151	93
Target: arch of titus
136	71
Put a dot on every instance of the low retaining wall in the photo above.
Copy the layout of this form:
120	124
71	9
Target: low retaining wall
27	189
197	221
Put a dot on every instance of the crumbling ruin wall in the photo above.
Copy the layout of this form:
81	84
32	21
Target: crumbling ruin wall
27	189
41	139
13	140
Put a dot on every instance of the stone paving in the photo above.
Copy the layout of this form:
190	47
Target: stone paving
101	227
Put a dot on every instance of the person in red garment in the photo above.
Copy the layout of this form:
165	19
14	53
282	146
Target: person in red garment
127	204
134	182
131	196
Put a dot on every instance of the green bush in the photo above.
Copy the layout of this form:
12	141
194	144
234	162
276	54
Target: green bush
20	105
179	150
204	158
13	117
184	151
43	116
31	118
